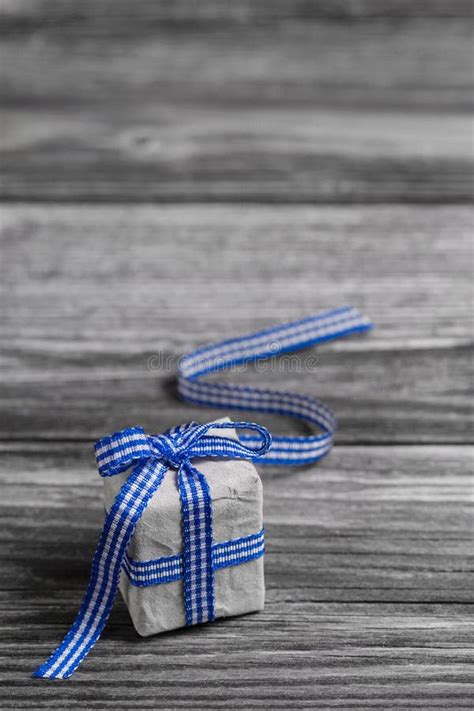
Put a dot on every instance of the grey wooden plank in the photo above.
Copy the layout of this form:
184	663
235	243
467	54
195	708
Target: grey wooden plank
302	61
378	396
256	156
367	524
268	104
369	590
98	303
106	14
316	655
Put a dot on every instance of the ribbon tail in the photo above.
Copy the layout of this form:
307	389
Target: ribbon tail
196	506
285	338
118	529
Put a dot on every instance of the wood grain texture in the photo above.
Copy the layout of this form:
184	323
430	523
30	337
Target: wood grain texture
279	103
369	567
109	15
369	590
99	303
322	655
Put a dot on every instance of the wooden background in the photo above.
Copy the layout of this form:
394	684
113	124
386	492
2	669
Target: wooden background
176	172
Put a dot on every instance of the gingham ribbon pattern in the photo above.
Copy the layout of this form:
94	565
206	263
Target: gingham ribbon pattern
142	573
152	456
263	344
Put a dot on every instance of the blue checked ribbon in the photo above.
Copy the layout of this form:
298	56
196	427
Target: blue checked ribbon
151	456
142	573
272	342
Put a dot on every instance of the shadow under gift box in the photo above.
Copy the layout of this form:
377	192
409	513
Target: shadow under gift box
236	491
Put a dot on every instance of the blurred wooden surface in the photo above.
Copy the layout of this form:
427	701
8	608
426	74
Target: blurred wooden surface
286	102
254	163
94	296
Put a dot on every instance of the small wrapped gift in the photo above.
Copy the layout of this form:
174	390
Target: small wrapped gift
151	582
169	572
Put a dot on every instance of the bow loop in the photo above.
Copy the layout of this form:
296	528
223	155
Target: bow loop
218	446
117	452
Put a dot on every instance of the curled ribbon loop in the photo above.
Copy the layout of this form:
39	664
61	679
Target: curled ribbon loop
152	455
272	342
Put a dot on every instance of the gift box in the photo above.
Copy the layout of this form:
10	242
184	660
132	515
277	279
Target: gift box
151	581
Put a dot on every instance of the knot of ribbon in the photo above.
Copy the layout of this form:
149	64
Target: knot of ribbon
152	456
175	447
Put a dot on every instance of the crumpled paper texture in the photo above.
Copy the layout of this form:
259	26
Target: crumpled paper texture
237	511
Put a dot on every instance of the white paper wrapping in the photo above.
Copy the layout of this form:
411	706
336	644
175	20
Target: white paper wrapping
236	492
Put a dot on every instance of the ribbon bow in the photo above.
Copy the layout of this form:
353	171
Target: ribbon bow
153	456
